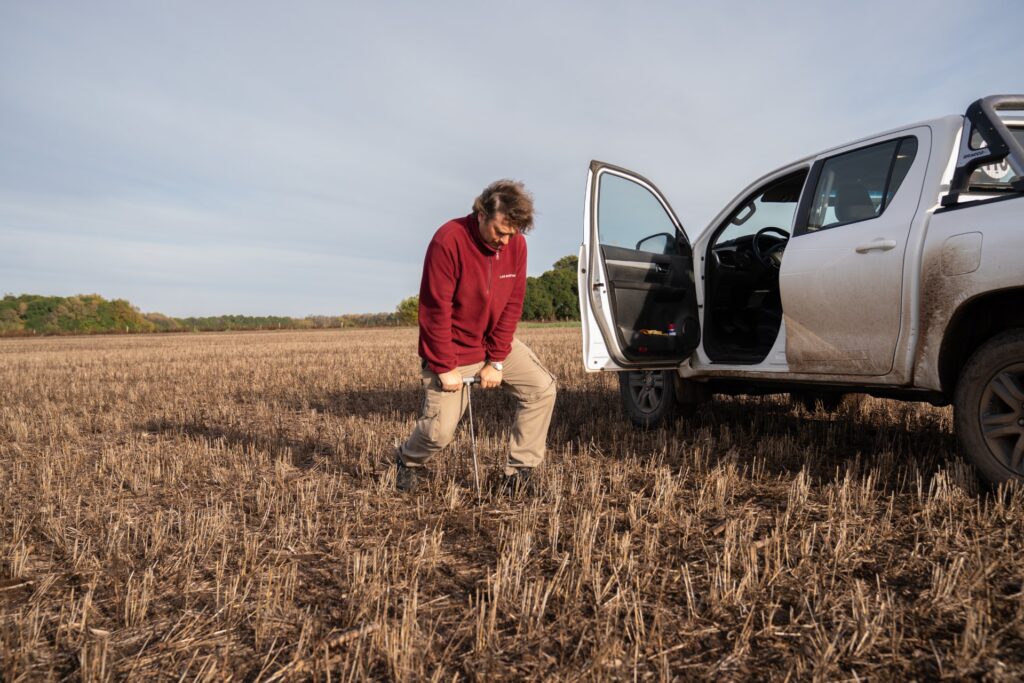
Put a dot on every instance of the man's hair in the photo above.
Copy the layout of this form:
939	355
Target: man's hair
509	198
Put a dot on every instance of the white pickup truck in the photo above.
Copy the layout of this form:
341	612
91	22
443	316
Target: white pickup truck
891	266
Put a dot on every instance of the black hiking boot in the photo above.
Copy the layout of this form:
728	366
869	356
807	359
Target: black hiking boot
409	479
520	483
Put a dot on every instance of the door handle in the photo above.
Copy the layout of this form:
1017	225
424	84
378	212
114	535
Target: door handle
877	245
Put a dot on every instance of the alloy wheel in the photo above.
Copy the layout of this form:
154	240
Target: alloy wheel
647	389
1002	416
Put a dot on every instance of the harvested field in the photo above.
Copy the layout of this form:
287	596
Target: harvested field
221	506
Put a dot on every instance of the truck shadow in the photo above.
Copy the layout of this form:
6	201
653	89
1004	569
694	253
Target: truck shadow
884	436
782	438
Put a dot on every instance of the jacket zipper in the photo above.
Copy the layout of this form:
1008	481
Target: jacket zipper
490	270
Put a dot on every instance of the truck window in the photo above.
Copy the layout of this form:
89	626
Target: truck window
771	206
629	216
858	185
994	177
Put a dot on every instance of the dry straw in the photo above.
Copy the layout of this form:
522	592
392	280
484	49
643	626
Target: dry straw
202	507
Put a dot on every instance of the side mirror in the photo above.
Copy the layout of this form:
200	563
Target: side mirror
667	244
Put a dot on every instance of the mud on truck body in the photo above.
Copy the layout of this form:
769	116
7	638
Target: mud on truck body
891	266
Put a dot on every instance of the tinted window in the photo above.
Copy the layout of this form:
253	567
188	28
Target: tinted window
999	175
630	216
858	185
900	167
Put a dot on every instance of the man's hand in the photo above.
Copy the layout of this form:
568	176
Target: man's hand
489	377
450	381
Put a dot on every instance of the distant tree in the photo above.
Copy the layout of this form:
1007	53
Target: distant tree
553	295
80	314
163	323
561	283
409	311
10	321
537	304
570	263
321	322
41	313
369	320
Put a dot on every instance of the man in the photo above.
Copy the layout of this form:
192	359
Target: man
471	297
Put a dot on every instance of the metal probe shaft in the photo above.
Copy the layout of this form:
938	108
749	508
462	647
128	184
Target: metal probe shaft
466	383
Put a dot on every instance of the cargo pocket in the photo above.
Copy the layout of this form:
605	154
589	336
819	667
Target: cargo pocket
540	365
541	382
428	423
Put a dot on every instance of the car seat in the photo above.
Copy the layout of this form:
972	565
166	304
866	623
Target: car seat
853	203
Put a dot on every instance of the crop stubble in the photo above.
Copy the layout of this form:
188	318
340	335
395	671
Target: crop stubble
221	505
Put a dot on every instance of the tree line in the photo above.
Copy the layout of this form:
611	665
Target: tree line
31	314
551	296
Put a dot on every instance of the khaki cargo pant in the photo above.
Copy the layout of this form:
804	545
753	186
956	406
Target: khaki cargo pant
531	384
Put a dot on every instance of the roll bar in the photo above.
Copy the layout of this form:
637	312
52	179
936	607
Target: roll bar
983	116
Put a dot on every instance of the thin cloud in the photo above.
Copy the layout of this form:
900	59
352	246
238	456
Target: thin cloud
235	157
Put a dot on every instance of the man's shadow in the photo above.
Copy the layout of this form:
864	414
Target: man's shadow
363	402
302	453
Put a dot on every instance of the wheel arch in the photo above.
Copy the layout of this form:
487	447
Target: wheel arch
972	324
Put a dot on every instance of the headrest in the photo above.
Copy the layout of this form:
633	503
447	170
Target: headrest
853	203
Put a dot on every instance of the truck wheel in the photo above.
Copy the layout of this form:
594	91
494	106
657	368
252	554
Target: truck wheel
648	397
989	406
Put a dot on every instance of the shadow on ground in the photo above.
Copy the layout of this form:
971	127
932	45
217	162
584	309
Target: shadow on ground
783	437
302	453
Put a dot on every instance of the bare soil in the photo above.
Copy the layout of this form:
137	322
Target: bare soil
205	507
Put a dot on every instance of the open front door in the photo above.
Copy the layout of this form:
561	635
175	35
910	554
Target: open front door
637	296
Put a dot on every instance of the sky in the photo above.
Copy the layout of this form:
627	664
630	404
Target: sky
269	158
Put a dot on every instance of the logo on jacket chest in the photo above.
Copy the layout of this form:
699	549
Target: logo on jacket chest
506	276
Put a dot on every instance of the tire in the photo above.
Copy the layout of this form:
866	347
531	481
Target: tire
989	408
648	397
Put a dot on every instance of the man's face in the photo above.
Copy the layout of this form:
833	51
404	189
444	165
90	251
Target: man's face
495	232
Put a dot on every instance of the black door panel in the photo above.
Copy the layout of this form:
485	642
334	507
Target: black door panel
653	301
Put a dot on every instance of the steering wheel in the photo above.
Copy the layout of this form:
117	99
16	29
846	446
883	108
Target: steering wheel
765	256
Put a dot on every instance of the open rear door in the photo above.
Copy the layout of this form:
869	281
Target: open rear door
637	296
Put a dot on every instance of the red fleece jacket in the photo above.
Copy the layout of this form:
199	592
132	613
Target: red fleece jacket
471	296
